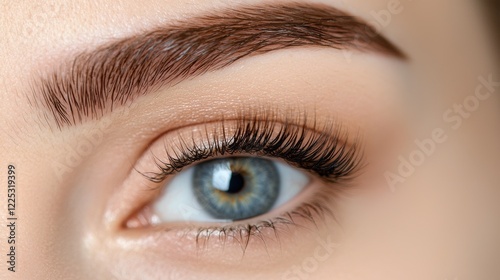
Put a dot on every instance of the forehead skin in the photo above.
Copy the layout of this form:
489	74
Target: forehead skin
61	29
448	48
57	30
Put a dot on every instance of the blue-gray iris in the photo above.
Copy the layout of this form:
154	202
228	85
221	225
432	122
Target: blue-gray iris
236	188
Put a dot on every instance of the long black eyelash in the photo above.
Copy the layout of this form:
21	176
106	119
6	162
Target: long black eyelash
324	152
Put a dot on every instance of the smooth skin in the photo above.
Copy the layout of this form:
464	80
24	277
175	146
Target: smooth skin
425	207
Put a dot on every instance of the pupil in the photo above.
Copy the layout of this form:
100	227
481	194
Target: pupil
236	183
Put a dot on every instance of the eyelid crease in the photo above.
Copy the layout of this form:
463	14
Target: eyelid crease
325	150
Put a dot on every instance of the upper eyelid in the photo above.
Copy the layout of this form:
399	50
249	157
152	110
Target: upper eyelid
325	145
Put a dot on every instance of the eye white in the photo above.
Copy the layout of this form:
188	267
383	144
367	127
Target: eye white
178	203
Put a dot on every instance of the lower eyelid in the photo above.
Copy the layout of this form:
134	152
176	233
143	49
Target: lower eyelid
268	236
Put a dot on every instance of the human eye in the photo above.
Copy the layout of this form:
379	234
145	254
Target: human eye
228	189
233	181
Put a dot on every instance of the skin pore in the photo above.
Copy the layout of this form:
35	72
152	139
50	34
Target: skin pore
411	210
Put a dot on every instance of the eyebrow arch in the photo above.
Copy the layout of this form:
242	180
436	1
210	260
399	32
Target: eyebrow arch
92	83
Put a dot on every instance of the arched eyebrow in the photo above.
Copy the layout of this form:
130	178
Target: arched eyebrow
94	82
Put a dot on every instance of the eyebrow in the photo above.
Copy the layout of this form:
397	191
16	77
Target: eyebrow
93	82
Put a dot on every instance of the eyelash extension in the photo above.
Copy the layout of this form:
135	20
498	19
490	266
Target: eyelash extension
324	152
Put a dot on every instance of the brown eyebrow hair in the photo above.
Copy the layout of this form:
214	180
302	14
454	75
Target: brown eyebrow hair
96	81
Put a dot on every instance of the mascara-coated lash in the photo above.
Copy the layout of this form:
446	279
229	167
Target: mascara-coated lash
324	151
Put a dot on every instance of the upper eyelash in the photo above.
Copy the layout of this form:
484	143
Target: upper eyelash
324	152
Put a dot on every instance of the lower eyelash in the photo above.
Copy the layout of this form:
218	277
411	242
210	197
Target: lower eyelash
313	214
